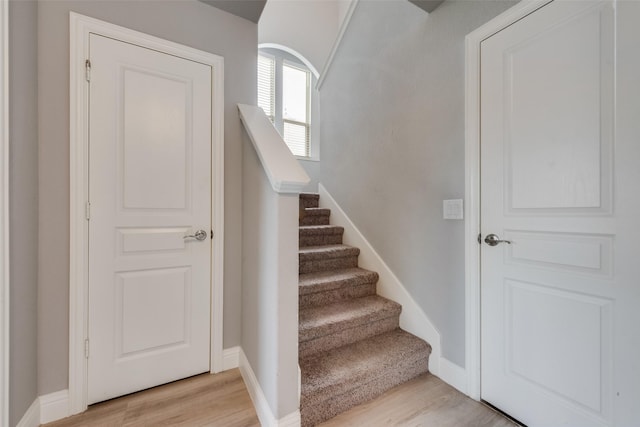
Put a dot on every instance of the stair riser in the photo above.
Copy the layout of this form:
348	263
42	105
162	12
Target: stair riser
336	295
308	202
334	403
320	239
314	220
314	266
347	336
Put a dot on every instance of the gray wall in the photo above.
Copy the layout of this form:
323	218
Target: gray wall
188	22
393	144
270	285
312	168
23	200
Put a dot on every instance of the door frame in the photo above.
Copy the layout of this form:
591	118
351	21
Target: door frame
4	213
472	184
80	29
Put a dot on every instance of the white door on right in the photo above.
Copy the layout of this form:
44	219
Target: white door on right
560	185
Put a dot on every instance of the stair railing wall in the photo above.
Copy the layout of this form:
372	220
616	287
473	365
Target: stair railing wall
272	181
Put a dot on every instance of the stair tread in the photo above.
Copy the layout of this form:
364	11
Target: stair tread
356	364
317	211
320	229
334	279
323	320
327	251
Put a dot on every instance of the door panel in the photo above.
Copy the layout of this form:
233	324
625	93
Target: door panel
547	173
538	325
149	187
554	145
156	145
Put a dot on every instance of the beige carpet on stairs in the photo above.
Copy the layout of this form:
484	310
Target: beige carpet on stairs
351	348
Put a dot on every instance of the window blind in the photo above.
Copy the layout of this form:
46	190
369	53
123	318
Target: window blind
288	86
296	135
267	85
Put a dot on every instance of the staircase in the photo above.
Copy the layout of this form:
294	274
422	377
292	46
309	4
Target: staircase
351	348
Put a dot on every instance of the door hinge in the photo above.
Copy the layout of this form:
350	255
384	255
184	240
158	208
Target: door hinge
87	68
87	211
86	348
211	234
479	238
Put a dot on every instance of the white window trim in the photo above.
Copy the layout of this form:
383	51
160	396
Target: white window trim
314	97
4	214
309	95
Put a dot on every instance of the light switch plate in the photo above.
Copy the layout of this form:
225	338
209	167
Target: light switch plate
453	209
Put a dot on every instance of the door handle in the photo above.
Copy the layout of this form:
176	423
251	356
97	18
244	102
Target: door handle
494	239
198	235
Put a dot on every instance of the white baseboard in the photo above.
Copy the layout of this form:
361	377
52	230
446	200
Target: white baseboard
54	406
31	418
230	358
291	420
265	415
412	318
453	374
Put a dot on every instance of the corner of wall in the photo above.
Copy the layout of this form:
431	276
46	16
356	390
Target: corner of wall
265	415
31	418
454	375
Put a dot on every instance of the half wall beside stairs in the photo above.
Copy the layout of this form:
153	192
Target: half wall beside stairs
272	179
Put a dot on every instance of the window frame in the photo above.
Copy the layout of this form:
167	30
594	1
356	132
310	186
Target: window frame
281	58
307	122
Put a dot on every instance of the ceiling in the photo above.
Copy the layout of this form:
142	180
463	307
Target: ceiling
252	9
427	5
247	9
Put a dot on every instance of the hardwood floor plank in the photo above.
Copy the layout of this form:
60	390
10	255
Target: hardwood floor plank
423	402
222	400
203	400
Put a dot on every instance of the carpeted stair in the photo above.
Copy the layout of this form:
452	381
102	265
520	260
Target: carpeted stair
351	348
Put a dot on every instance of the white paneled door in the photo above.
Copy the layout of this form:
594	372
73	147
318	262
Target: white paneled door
149	190
559	181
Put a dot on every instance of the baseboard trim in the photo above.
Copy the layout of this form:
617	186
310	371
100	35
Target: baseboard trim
31	418
230	358
266	417
453	374
291	420
54	406
412	318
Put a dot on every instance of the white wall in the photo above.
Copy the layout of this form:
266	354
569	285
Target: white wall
393	145
307	26
188	22
270	285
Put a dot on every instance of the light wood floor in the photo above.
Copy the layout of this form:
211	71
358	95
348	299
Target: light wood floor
425	401
222	400
204	400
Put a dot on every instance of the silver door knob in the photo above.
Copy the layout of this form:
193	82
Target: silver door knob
198	235
494	239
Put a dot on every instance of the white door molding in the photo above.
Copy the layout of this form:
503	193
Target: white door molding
4	213
80	28
472	183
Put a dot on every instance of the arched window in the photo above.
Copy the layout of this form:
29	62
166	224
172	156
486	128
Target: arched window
286	93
